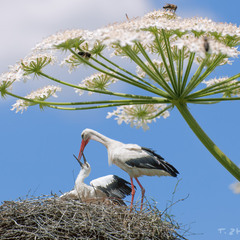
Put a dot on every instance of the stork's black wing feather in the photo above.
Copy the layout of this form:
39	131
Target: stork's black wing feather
116	187
153	161
152	152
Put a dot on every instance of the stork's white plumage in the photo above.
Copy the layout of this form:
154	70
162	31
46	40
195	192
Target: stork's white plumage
132	158
110	187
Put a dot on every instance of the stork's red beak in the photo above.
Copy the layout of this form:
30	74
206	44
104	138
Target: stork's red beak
83	145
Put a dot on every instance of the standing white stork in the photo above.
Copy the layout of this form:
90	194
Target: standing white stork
132	158
110	187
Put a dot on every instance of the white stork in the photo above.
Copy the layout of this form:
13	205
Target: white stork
132	158
110	187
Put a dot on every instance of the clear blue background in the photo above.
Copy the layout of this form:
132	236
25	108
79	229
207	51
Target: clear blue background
37	146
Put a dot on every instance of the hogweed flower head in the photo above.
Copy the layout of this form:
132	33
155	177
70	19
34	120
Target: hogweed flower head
139	115
231	88
38	95
15	74
33	64
98	81
162	45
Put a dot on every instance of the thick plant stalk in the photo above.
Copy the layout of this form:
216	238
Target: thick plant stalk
207	142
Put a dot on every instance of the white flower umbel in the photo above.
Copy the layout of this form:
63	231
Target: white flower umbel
139	115
97	81
196	45
38	95
232	88
50	43
33	64
214	81
15	74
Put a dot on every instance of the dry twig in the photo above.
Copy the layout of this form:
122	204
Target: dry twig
51	218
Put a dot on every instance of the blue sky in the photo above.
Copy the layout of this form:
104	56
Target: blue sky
37	146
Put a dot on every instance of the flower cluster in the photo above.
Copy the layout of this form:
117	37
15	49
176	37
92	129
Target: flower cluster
15	74
97	81
50	43
231	88
38	95
33	64
139	115
196	44
222	37
21	70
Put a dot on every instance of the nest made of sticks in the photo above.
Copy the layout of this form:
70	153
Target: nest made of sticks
52	218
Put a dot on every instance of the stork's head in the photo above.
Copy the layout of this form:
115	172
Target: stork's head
85	166
85	139
88	134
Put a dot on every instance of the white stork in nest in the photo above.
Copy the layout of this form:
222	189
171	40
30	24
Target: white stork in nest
107	189
133	159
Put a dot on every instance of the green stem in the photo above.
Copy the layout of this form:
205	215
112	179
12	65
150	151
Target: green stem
127	79
201	100
161	112
86	108
124	70
123	102
117	74
207	142
160	49
213	87
187	72
145	68
180	69
162	83
197	79
192	83
95	90
220	90
170	60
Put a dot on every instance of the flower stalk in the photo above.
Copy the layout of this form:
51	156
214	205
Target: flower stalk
207	142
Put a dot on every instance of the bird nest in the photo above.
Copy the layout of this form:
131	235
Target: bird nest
48	217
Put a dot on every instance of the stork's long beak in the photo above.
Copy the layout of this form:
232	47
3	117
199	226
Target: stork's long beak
78	161
83	145
85	161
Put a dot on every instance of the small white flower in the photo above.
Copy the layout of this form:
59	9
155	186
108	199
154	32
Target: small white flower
98	81
71	62
232	83
50	43
40	95
213	81
138	115
197	45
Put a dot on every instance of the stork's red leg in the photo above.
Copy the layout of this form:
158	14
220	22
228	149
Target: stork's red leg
143	191
133	192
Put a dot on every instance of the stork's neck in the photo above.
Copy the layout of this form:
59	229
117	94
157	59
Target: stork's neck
102	139
81	176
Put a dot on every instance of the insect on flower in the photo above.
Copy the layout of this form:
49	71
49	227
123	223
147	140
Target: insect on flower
86	55
170	7
206	44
